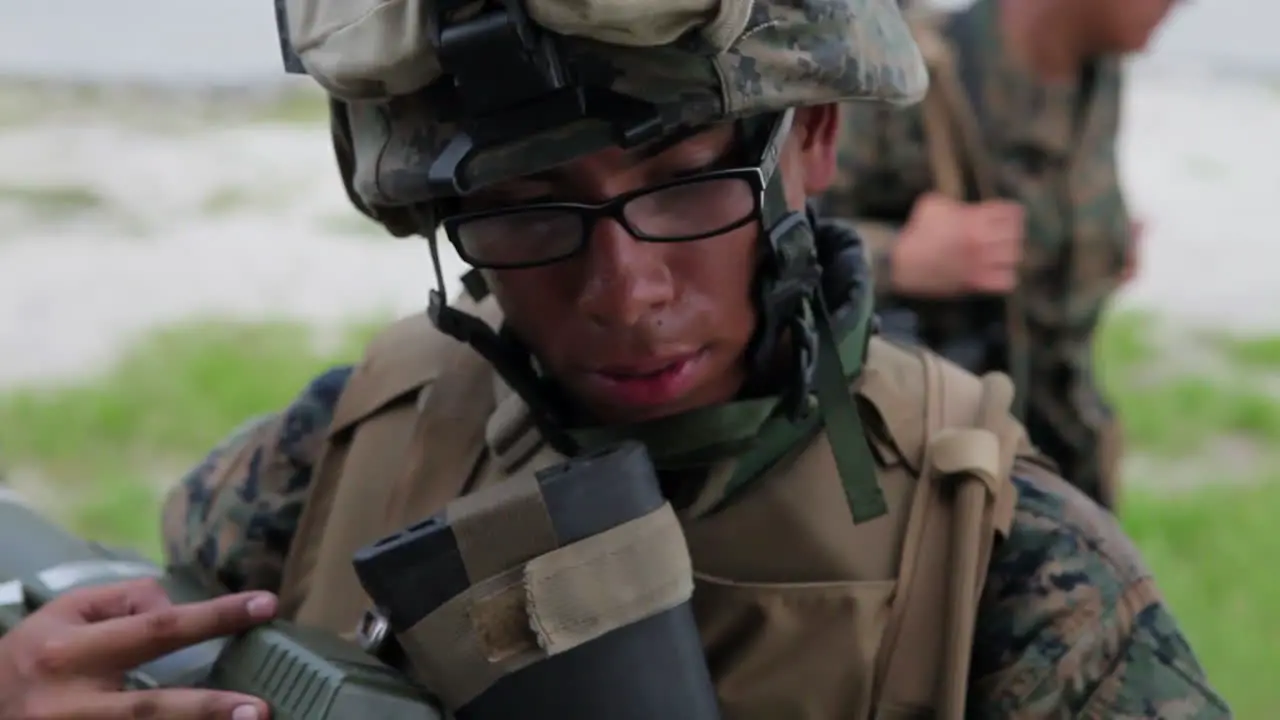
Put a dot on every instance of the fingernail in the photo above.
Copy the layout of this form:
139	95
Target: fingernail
245	712
261	607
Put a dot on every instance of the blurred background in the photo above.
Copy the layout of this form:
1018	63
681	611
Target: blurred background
177	254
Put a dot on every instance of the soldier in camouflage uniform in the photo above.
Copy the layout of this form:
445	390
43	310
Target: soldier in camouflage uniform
639	279
1043	81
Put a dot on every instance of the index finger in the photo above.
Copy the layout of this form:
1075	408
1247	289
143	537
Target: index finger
103	602
122	643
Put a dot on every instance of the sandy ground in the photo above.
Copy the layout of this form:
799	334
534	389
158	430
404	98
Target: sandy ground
108	230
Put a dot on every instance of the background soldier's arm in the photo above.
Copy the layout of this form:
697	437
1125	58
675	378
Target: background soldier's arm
1072	624
232	518
883	169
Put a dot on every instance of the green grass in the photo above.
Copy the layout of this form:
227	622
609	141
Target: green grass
1204	520
1254	353
52	205
351	224
109	445
1177	391
1214	552
27	102
300	103
228	200
231	200
49	202
100	452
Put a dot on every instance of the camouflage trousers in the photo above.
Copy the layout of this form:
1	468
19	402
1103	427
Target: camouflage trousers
1068	418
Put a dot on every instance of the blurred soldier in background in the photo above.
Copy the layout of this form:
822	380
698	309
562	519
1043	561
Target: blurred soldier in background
993	211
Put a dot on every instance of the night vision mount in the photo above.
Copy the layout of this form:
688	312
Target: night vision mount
503	79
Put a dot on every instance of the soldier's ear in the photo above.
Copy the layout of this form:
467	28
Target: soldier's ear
815	137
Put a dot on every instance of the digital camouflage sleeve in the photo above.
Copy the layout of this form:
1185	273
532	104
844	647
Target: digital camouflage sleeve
232	518
1071	623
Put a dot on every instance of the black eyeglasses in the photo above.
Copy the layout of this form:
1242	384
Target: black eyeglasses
691	208
683	210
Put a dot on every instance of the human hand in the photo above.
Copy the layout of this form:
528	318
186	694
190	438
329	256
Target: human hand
69	659
949	248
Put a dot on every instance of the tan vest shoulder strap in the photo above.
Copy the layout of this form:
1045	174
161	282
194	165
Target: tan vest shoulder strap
964	500
406	356
412	382
452	418
890	382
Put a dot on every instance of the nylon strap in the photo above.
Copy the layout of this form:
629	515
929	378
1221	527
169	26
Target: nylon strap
840	416
837	366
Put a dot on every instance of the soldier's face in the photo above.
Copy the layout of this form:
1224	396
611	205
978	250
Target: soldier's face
637	330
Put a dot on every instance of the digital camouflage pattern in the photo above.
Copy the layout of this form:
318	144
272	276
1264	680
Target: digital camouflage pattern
792	53
1054	150
1070	624
235	514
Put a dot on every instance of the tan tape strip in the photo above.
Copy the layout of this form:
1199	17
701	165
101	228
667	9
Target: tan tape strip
446	651
501	526
550	605
617	578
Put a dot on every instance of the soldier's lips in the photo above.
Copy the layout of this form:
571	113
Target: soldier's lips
647	383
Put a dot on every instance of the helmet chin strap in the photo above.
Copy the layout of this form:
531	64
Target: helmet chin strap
793	317
787	278
508	357
795	314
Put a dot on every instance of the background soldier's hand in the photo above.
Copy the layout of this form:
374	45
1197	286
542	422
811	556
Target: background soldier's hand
950	248
68	659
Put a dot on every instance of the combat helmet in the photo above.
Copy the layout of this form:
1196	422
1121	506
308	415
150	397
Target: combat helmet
433	99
